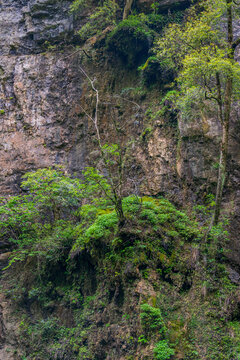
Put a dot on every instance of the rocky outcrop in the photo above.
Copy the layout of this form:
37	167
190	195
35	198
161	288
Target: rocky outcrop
39	115
27	24
39	92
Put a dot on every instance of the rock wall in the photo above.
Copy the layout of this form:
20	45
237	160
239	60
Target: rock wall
42	123
39	102
27	24
39	92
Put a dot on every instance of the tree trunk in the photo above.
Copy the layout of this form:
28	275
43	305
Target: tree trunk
225	121
119	211
224	150
127	8
221	172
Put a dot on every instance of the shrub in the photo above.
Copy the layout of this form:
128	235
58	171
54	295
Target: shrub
52	192
91	237
151	319
156	22
153	71
103	17
162	351
131	39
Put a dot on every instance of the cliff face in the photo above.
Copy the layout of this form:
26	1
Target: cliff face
42	122
39	92
26	25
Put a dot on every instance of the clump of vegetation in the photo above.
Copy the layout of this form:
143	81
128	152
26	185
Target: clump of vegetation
47	216
131	39
65	247
154	326
103	17
154	71
162	351
151	319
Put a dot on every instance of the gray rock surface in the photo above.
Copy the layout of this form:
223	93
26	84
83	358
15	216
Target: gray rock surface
27	24
39	114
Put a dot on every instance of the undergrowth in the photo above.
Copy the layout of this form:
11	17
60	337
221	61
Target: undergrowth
72	261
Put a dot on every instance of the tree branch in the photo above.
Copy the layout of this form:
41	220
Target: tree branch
210	97
235	44
75	52
95	120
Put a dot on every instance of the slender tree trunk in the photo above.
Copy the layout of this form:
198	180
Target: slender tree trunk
221	172
225	121
119	211
127	8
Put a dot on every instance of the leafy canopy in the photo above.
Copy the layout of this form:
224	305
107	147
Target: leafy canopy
50	195
198	49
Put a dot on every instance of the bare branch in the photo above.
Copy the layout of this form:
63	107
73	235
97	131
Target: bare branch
133	102
95	120
75	52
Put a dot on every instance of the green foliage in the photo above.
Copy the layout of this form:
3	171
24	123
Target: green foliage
101	228
17	220
103	17
151	319
131	39
40	222
152	322
149	215
168	105
199	50
156	22
77	5
44	329
152	230
60	261
146	133
162	351
154	71
91	237
48	336
142	339
235	327
52	186
97	189
107	187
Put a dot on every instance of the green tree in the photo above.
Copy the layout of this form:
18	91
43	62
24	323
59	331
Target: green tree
202	51
111	183
111	180
53	192
50	195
